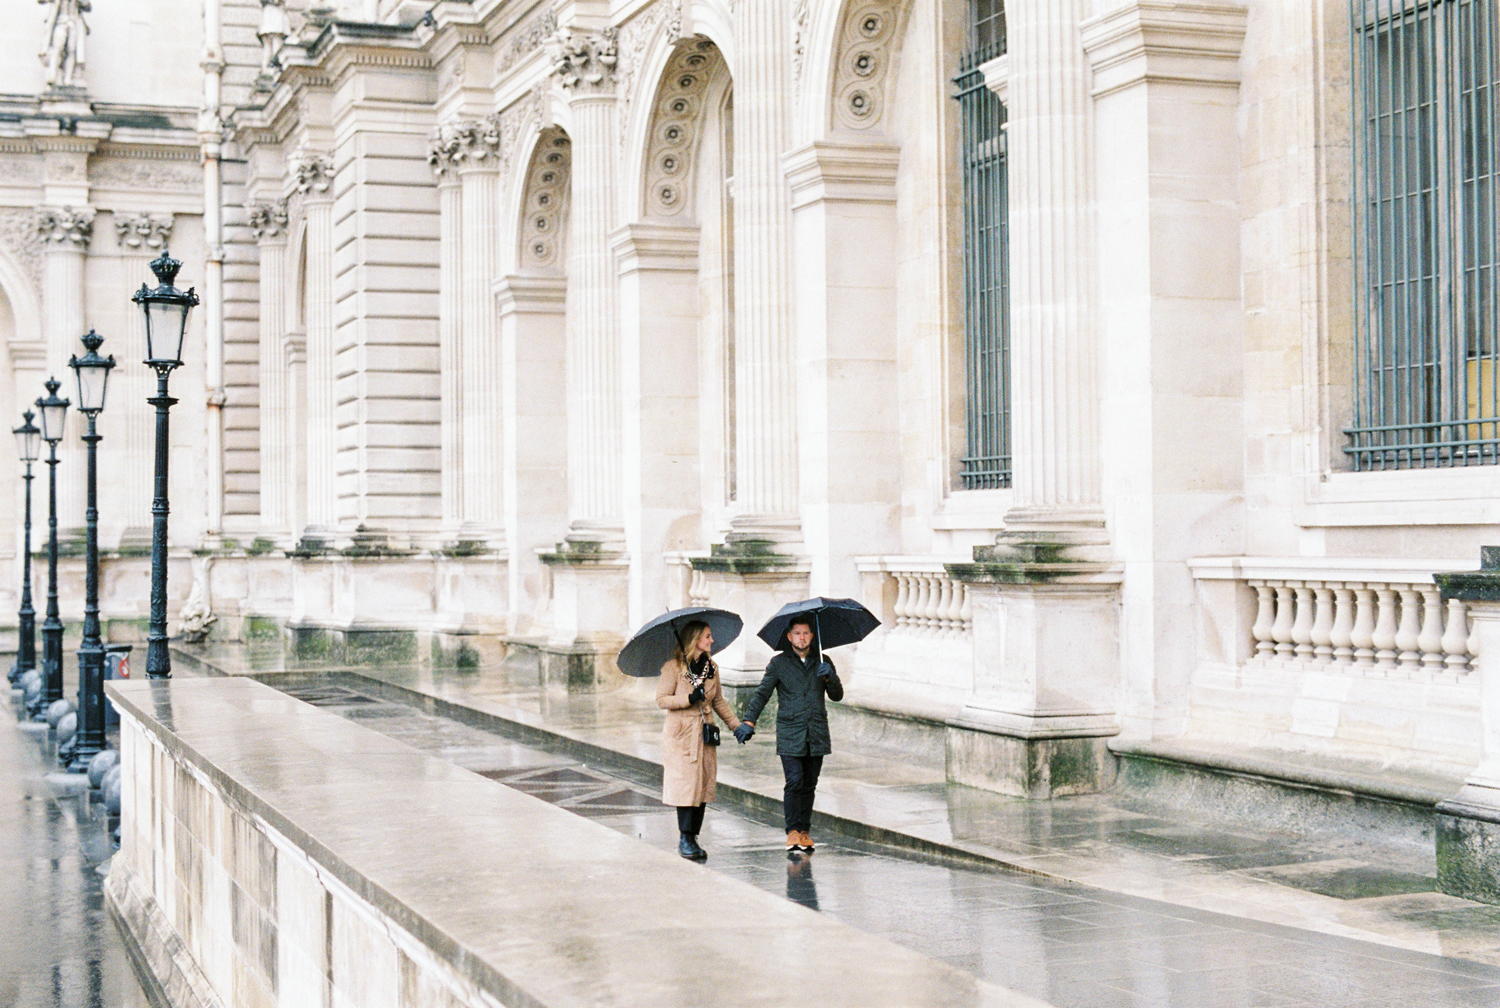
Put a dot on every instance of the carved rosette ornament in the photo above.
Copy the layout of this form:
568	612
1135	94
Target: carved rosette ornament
583	62
143	231
863	65
676	125
313	173
72	226
268	220
546	201
465	141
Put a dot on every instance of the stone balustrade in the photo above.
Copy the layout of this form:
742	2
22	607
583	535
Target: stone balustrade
917	596
1381	619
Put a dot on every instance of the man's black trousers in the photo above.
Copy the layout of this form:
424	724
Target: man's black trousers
801	781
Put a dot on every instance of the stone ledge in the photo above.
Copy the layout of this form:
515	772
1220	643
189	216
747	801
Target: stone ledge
539	864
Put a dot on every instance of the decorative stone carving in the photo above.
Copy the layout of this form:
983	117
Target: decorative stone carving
635	39
20	237
132	173
799	38
268	220
676	126
464	140
513	120
546	204
63	43
66	225
585	61
526	39
863	65
313	172
143	230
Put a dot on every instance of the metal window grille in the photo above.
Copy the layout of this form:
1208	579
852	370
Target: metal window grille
1425	375
986	462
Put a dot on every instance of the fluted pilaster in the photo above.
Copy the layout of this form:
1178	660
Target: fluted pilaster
140	238
321	440
277	450
765	351
479	369
1054	342
450	339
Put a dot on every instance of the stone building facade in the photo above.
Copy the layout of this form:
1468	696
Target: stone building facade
539	317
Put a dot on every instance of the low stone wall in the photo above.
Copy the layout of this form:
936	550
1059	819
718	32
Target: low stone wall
274	854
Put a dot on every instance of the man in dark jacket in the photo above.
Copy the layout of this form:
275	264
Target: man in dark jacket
800	678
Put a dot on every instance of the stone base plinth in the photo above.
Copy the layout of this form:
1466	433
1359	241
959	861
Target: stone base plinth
1028	768
1468	852
579	668
354	646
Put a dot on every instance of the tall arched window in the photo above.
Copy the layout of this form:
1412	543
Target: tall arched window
1425	375
986	460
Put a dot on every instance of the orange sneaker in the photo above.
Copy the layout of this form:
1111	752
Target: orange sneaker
793	840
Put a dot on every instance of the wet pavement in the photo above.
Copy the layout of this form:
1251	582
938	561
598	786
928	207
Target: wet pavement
1074	945
58	947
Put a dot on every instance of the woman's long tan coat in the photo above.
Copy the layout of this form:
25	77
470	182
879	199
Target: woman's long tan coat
689	769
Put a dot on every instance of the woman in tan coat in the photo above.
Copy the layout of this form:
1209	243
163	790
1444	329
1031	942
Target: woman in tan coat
690	693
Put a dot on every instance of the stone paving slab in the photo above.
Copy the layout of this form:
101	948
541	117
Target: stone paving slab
1107	841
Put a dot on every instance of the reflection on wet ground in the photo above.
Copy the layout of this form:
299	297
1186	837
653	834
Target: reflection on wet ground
1070	944
58	947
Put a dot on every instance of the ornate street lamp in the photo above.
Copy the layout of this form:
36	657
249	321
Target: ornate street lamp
93	381
54	414
166	310
29	448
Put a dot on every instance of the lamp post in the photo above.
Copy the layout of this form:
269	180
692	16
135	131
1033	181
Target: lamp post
29	448
54	413
166	310
93	381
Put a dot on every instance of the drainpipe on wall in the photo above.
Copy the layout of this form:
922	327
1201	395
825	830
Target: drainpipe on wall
210	136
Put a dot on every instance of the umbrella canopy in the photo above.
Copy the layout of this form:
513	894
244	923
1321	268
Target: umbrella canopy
836	621
656	643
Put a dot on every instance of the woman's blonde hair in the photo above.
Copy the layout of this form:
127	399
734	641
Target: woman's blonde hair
687	637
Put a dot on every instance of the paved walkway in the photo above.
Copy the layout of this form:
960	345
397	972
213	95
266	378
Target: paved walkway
1347	888
1071	945
58	947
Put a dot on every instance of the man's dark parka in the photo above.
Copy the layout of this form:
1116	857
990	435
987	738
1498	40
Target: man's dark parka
801	717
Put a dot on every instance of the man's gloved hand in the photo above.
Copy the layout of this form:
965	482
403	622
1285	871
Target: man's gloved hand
744	733
695	697
825	669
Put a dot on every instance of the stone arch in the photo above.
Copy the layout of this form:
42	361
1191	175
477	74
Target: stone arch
692	82
541	230
851	56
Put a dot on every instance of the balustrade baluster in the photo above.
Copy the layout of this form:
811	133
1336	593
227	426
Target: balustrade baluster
1362	637
1409	629
1384	638
944	606
926	610
1456	638
1343	624
1322	628
902	608
1303	624
1265	618
1473	645
1430	640
1281	630
965	613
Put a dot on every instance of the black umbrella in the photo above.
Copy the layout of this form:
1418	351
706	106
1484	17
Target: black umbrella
655	644
836	621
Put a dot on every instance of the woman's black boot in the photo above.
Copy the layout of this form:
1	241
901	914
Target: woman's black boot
688	848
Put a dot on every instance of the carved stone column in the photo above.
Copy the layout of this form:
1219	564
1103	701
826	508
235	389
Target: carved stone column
313	173
278	478
140	238
480	370
450	336
765	347
66	232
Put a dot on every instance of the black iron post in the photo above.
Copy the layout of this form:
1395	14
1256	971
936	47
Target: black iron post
166	310
93	378
28	441
54	411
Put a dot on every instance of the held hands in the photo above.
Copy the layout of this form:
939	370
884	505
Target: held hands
744	733
696	697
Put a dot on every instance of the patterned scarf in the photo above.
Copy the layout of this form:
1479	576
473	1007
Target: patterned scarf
700	671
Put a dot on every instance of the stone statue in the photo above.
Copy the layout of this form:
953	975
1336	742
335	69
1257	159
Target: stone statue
63	51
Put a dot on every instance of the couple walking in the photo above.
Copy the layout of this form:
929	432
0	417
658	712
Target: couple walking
690	691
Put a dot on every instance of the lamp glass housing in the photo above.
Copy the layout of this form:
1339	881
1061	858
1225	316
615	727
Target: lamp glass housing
28	439
166	310
54	414
93	374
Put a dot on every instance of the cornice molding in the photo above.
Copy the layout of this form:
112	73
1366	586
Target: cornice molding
1164	41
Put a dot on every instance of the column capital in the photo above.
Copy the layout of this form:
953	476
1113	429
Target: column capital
466	144
268	220
312	172
585	62
143	232
65	227
1157	40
